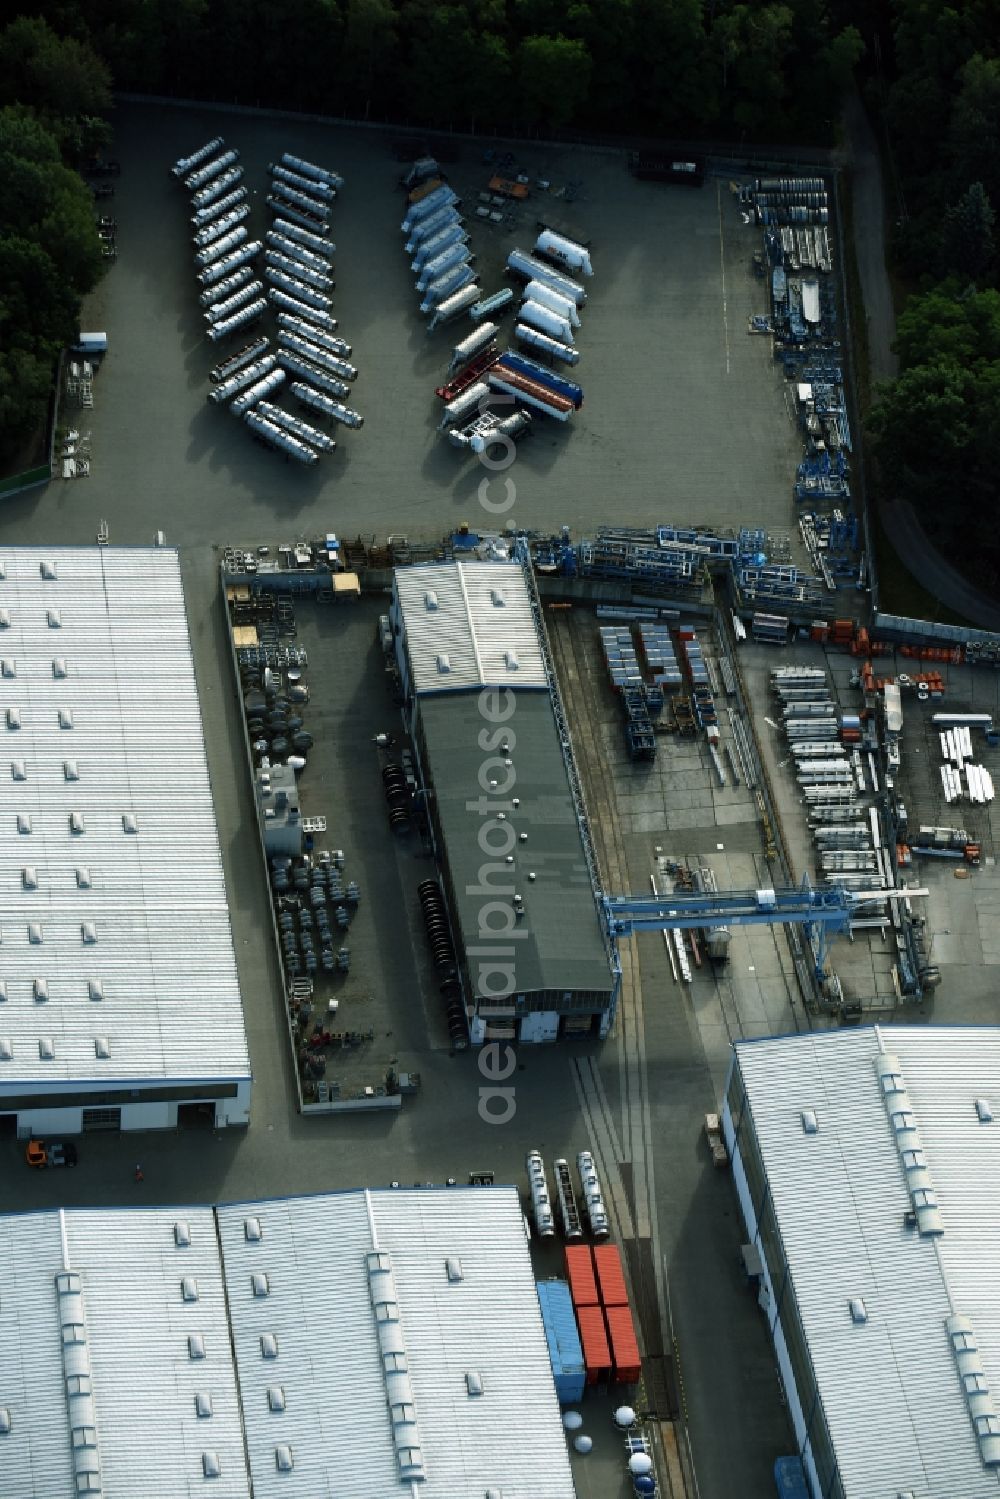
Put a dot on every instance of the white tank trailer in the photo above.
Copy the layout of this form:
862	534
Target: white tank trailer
314	242
317	401
298	428
318	355
309	185
233	303
241	319
298	252
187	164
441	264
547	296
296	288
281	190
593	1197
543	344
211	232
241	360
541	1202
218	208
223	289
499	302
229	263
208	173
472	345
236	377
446	240
537	316
439	291
258	391
324	320
427	228
463	404
321	280
277	437
529	269
306	370
565	251
310	169
441	197
224	246
217	189
315	335
453	307
315	223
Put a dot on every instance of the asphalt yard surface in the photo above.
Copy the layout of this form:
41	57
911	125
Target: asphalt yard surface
684	421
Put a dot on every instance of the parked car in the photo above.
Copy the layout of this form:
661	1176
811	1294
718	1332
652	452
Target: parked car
53	1153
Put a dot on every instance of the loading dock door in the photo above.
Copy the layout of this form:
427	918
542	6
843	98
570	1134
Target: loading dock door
94	1119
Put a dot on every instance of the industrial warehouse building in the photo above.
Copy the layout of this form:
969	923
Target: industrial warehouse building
119	999
508	830
867	1164
365	1343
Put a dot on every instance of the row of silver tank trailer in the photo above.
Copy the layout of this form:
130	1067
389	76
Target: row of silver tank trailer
299	270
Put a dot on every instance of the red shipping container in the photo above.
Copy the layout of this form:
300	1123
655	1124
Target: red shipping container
624	1345
610	1275
580	1274
594	1341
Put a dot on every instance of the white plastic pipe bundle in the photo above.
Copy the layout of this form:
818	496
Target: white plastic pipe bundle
258	391
284	193
530	269
310	169
303	184
217	189
238	320
279	298
318	355
453	307
568	253
320	280
221	247
280	439
220	226
296	252
187	164
548	296
234	302
427	228
300	429
531	338
296	365
226	287
304	237
315	335
440	290
457	254
242	379
221	205
206	174
296	288
315	223
229	263
474	344
469	400
537	316
320	402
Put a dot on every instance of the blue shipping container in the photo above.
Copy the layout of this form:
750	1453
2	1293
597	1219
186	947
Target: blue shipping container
790	1478
563	1338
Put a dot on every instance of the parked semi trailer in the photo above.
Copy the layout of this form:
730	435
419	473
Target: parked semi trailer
277	437
310	169
474	344
291	324
241	319
543	344
317	400
440	290
297	252
217	189
279	298
544	376
325	248
221	206
455	255
301	184
295	364
320	280
566	252
453	307
314	222
208	173
187	164
318	355
512	383
240	372
537	316
229	263
530	269
225	288
547	296
304	431
222	310
427	228
258	391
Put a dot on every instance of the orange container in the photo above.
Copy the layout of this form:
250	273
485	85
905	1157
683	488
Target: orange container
594	1341
624	1345
610	1275
580	1274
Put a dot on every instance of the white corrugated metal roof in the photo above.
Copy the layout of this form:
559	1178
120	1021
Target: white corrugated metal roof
150	1439
109	738
469	624
891	1388
336	1419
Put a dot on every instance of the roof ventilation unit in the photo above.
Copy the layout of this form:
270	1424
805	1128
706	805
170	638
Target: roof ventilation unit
29	877
4	619
497	598
984	1111
18	770
810	1124
8	667
859	1312
252	1230
473	1382
511	661
444	664
46	1050
196	1346
77	1381
5	1421
48	570
903	1123
13	718
268	1345
23	822
71	771
88	933
3	991
65	718
398	1391
453	1268
83	879
6	1049
982	1412
40	989
95	989
129	823
203	1405
283	1460
189	1288
35	933
182	1233
275	1397
76	822
59	667
430	599
54	619
102	1050
259	1284
210	1464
